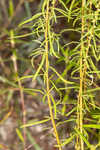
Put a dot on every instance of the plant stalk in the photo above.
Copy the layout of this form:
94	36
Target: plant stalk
47	76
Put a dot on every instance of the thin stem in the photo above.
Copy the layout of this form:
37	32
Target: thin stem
89	37
80	143
47	77
20	87
81	77
21	98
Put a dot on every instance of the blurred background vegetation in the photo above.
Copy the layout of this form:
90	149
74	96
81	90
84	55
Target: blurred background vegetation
12	12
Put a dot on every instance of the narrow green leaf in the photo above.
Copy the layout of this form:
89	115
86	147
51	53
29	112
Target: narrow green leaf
93	90
83	138
34	123
93	66
94	126
63	4
34	90
24	35
52	51
39	68
62	12
25	77
70	10
4	80
68	140
32	141
11	8
20	135
31	19
62	122
65	81
70	112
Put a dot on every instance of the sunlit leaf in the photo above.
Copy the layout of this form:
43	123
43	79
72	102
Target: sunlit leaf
31	19
20	135
34	123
